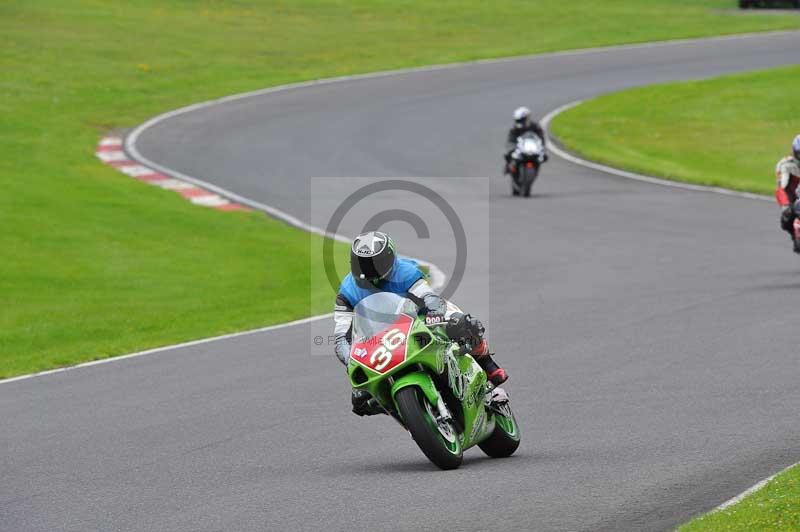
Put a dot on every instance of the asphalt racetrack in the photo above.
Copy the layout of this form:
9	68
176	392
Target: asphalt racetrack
648	331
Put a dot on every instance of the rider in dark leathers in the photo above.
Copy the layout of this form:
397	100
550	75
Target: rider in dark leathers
522	124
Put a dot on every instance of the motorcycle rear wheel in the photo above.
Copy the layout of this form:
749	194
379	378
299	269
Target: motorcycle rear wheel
441	448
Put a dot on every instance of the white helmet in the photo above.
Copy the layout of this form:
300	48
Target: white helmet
796	147
521	116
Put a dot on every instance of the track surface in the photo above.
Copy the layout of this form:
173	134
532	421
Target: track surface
649	332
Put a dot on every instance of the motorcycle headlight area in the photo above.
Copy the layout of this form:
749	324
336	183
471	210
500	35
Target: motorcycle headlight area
530	147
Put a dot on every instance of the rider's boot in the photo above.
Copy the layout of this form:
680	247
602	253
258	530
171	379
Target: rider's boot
483	357
365	405
496	397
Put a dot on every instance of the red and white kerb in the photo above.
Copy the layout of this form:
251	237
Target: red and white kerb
109	150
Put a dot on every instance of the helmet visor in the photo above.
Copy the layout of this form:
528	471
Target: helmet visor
373	268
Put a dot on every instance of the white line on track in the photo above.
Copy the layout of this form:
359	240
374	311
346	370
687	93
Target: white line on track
749	491
437	276
170	348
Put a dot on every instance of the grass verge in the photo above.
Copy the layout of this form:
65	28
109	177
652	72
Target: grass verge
775	507
728	132
96	264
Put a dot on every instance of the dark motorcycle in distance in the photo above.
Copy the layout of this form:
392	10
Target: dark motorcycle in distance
526	160
796	227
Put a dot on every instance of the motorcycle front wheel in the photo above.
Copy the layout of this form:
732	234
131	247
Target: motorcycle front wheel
437	440
530	176
505	437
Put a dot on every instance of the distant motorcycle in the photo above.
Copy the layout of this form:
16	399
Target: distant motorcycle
526	160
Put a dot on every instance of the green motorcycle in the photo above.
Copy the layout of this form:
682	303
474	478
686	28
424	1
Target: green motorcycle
427	382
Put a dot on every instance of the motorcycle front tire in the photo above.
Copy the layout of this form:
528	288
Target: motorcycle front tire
424	429
505	438
530	176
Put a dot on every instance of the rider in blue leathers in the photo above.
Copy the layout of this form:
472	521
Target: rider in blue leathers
376	268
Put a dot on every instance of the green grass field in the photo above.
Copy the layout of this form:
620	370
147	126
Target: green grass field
728	132
776	507
97	264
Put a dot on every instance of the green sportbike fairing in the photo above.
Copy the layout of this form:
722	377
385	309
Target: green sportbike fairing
427	382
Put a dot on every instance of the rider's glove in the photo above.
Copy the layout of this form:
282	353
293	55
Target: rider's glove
475	328
455	328
435	309
465	329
